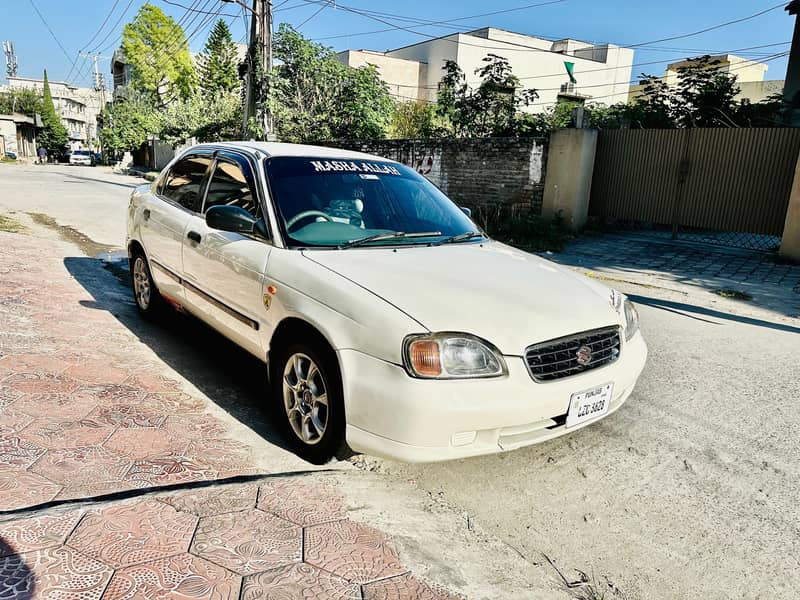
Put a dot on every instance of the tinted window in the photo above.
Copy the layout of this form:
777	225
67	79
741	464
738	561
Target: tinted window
231	184
184	182
326	202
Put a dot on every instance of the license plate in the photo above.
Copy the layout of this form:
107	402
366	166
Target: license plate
589	404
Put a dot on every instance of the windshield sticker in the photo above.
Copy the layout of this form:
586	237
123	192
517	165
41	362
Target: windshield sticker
369	176
327	166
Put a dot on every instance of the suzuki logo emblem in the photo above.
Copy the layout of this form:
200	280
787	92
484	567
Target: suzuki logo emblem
584	355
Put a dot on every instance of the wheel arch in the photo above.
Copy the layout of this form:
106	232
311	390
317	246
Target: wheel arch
296	328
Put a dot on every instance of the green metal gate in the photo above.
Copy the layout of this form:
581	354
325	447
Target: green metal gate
725	186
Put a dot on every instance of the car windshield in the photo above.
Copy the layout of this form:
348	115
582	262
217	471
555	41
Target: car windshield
347	203
81	153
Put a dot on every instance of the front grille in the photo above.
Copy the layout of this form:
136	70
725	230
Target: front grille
559	358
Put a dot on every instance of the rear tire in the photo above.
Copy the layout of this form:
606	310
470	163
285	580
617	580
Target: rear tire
306	388
149	302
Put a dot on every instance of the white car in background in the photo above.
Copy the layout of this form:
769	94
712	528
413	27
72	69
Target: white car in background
81	157
390	323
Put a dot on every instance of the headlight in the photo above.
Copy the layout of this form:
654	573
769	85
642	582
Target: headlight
451	356
631	320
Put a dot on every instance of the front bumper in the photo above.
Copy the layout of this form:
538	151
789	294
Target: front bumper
392	415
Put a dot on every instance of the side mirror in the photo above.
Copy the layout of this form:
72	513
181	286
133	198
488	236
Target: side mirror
466	211
236	220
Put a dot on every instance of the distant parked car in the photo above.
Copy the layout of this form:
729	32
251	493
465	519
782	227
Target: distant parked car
388	319
11	155
81	157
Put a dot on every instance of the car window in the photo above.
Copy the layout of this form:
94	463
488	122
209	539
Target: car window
231	185
184	182
326	202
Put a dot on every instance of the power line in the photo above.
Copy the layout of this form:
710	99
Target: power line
41	16
172	3
426	23
113	28
321	8
707	29
99	29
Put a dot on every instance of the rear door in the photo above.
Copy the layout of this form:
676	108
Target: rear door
224	271
179	196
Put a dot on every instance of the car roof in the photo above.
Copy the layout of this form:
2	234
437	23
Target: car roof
284	149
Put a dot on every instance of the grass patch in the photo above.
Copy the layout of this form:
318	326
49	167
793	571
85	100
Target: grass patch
521	229
733	294
5	159
9	225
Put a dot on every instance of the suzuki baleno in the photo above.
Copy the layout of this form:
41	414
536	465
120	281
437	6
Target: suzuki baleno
390	323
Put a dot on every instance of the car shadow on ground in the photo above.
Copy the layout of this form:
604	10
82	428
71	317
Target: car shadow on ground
232	378
16	580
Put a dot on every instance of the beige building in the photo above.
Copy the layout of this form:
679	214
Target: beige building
750	76
77	107
413	72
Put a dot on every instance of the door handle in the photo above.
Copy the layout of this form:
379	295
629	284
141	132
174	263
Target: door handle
146	214
194	236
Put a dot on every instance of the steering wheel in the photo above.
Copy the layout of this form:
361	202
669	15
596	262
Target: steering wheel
304	215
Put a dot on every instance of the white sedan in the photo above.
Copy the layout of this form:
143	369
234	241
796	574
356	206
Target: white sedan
391	324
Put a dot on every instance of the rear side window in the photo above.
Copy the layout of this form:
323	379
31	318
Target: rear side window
185	180
232	185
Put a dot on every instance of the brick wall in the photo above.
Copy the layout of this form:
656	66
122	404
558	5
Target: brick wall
473	172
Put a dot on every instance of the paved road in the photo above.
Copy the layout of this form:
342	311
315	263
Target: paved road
689	491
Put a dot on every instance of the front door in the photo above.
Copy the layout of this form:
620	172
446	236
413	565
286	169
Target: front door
224	271
178	197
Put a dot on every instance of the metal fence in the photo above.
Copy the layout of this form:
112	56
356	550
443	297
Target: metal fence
723	186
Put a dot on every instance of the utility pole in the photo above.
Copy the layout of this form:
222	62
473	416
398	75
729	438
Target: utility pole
259	54
791	88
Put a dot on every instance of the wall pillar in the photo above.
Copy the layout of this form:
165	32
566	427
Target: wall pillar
790	245
568	184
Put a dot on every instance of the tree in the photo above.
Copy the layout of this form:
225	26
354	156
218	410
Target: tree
53	134
416	120
316	98
218	67
156	49
208	118
24	100
126	124
491	109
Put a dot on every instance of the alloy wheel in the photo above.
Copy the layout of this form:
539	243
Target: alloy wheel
305	398
141	283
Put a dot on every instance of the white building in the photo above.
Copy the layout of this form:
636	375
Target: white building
413	72
750	76
77	107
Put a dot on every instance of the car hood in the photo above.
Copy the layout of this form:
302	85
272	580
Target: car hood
508	297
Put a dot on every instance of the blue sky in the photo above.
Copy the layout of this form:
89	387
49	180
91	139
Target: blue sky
623	22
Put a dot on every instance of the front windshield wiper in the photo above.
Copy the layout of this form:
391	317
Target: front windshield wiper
388	236
461	237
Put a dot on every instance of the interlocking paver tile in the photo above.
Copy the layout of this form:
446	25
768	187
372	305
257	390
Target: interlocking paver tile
36	533
125	415
17	453
113	393
300	581
40	382
21	489
169	469
97	372
175	578
55	573
13	420
302	503
151	382
405	587
82	465
194	427
65	406
8	395
215	500
176	403
248	542
351	550
65	434
133	533
140	444
17	363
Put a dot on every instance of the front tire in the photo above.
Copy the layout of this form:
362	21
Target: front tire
148	299
308	401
